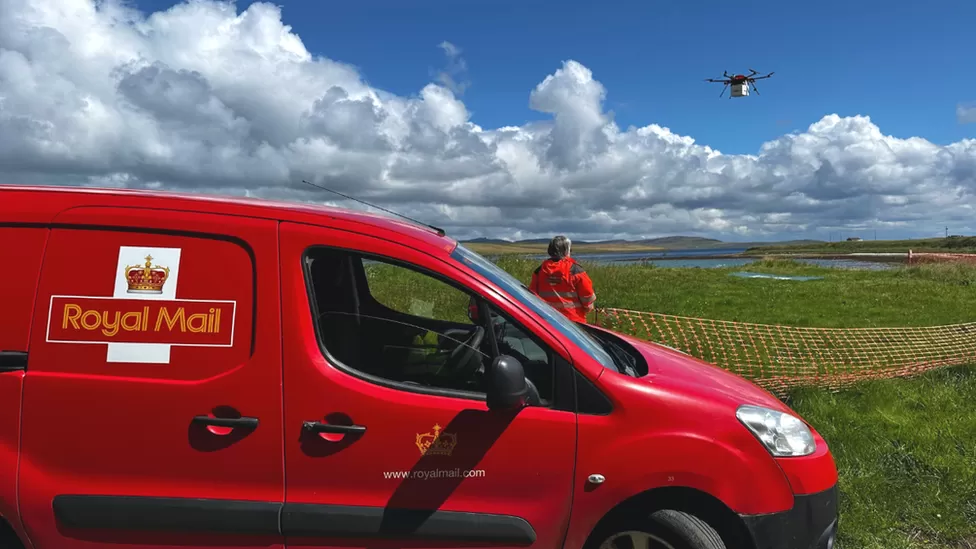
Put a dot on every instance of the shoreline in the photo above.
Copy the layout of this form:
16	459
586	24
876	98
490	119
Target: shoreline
879	257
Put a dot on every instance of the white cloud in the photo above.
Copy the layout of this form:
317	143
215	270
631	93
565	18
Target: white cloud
966	113
202	97
456	66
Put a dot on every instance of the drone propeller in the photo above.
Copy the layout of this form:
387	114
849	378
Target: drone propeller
761	77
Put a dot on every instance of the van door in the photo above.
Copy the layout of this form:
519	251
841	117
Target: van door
22	249
388	436
152	401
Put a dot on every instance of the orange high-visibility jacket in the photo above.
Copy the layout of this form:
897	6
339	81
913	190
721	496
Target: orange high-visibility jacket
566	286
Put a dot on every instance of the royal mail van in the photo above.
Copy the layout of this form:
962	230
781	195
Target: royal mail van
182	371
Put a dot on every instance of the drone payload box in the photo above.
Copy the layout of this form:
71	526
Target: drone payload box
740	90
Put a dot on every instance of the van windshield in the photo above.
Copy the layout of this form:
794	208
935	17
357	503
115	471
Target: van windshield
518	291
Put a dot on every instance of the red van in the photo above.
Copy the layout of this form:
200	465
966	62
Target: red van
185	371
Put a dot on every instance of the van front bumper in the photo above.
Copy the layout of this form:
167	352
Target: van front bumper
810	524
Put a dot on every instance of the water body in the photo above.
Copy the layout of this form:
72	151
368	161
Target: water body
704	259
742	274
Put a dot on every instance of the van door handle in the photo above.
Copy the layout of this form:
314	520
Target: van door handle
12	361
319	427
247	422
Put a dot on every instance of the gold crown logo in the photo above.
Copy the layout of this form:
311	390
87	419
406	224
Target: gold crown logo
436	443
146	279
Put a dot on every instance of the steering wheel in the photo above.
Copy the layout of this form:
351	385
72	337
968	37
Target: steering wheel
460	362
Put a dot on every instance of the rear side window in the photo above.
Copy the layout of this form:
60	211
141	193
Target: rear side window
21	250
143	305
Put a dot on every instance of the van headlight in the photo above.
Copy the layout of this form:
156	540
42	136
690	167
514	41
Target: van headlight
782	434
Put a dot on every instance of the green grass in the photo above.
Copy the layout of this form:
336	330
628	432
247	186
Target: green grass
906	456
916	296
905	449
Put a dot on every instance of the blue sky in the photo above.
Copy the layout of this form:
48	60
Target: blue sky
211	99
905	64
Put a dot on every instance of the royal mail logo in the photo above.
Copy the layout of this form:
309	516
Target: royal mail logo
146	279
436	443
143	318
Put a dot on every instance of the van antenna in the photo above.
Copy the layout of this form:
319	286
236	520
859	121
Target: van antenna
438	230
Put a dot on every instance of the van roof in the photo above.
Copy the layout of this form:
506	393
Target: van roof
41	204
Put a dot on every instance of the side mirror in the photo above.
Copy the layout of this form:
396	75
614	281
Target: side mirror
507	388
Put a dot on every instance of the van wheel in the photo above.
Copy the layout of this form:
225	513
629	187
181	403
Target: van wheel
665	529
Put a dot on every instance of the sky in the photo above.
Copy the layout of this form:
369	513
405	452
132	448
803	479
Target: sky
511	119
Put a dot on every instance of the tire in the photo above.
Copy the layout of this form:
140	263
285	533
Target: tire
665	529
8	539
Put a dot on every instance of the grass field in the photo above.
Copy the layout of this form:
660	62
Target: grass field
965	244
906	456
906	449
917	296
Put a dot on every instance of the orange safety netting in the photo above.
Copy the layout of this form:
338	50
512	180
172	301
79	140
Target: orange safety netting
782	357
926	257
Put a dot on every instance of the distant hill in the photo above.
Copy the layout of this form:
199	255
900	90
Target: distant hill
483	240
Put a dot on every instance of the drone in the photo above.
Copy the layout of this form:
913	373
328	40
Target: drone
739	82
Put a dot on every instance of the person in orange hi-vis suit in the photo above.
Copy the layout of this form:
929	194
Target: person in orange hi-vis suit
563	283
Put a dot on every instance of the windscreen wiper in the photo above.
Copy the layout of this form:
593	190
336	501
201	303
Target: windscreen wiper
620	358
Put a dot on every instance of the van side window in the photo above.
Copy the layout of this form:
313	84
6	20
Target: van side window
396	323
409	292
